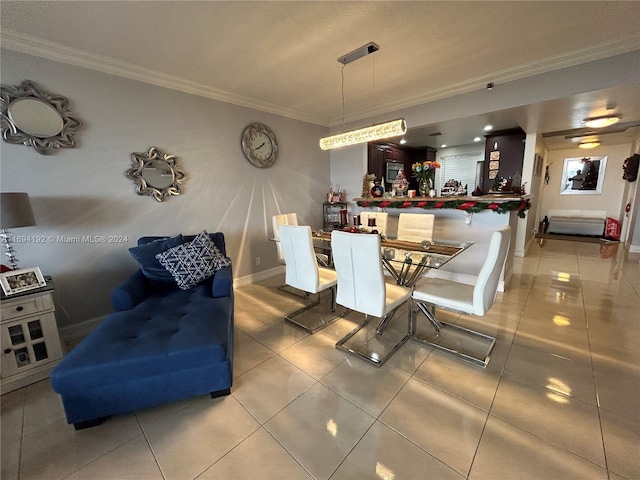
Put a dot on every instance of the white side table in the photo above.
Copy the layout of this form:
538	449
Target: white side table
30	341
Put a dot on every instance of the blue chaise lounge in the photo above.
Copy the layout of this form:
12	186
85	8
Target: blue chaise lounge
166	340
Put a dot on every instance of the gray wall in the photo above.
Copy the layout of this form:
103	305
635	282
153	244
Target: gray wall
84	192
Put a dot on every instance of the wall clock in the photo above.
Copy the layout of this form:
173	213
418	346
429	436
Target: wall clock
259	145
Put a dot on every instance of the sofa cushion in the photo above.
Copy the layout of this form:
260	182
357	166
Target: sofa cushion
193	262
145	255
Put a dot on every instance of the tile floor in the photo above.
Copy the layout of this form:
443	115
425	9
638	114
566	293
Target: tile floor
559	399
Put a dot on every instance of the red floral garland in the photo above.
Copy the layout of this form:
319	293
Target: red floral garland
520	206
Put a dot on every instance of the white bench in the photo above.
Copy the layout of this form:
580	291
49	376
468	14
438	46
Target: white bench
577	222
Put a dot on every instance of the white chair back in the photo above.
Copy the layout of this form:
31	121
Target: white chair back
358	264
486	287
300	259
381	221
415	227
282	219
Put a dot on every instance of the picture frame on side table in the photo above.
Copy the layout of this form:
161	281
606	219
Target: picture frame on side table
21	280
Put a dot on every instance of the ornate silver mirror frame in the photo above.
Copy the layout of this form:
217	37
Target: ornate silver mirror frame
156	173
35	118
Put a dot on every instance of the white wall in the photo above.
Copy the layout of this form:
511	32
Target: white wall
612	190
83	191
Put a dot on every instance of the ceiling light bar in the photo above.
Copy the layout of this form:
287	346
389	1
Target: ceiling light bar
358	53
592	144
601	122
394	128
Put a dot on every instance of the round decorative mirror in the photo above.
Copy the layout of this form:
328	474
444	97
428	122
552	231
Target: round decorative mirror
30	116
156	173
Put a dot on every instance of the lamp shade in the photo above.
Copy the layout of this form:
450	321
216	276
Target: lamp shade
16	210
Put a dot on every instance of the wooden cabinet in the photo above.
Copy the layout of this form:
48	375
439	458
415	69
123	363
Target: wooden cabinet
381	153
30	341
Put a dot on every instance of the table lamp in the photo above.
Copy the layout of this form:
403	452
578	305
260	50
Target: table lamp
15	213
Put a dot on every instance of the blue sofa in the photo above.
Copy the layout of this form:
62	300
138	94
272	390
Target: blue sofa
161	344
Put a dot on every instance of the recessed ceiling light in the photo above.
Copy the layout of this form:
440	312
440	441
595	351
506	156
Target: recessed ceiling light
444	145
403	141
488	127
592	144
477	139
600	122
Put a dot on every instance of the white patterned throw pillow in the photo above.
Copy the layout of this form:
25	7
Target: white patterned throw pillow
193	262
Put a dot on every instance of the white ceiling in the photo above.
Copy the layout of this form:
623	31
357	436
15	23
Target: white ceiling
281	57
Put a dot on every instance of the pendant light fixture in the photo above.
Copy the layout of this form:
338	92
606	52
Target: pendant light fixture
393	128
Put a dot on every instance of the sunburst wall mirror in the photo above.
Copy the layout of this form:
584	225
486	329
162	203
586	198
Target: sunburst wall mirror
33	117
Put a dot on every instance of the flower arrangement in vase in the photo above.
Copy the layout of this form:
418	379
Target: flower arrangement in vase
425	173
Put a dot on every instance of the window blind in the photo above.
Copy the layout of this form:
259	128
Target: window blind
461	168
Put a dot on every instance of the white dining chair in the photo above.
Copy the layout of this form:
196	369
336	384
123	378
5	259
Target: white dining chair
381	221
362	288
290	219
415	227
477	299
303	273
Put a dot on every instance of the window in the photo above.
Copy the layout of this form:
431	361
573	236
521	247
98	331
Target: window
460	167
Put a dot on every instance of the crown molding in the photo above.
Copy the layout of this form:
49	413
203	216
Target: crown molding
20	42
603	50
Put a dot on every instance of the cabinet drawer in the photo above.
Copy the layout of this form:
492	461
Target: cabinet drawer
27	306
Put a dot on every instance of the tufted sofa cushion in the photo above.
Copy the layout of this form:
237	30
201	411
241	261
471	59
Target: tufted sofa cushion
161	335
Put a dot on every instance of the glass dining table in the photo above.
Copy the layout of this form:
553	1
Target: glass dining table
406	261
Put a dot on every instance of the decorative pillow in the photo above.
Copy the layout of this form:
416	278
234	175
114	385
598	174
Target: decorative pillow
145	255
193	262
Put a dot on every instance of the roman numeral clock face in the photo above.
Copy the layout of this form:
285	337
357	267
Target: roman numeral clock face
259	145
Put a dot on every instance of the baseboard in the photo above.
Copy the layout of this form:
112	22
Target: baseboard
256	277
634	248
78	330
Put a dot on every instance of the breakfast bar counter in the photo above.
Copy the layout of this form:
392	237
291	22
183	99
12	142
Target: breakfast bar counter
498	203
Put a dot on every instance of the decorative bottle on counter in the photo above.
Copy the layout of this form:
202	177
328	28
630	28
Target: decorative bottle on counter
377	190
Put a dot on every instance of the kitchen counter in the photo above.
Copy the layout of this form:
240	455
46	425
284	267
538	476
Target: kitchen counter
497	203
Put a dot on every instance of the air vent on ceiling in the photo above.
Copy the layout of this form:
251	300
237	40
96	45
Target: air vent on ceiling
437	134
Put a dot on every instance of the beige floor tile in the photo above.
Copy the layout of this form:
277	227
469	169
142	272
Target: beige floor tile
269	387
12	420
571	378
569	423
622	444
555	340
42	406
132	460
319	429
613	361
10	458
278	336
247	353
461	379
149	416
384	454
369	387
446	427
508	452
410	356
619	395
190	441
57	449
257	457
315	355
